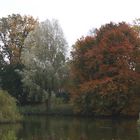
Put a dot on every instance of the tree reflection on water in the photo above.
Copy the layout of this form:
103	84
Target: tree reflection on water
68	128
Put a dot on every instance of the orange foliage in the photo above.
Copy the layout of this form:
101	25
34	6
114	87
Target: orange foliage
105	64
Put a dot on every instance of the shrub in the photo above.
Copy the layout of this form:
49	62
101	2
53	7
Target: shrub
8	108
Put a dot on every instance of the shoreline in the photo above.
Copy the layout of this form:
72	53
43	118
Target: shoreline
80	115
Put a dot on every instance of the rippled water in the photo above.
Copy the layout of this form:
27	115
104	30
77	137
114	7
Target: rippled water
68	128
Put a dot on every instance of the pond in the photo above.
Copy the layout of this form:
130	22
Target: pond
69	128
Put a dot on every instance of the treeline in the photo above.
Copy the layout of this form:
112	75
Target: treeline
33	62
102	77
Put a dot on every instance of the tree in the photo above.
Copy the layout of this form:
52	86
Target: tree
136	25
44	60
13	31
11	81
104	69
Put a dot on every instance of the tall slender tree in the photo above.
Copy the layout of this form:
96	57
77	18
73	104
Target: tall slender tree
13	31
44	59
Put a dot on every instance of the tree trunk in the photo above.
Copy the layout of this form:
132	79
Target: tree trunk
48	102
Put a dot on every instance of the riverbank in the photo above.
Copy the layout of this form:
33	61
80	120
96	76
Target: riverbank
60	109
63	110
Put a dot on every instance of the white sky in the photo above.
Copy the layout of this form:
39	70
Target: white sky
76	17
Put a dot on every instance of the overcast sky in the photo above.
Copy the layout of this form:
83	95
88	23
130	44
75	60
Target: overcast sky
76	17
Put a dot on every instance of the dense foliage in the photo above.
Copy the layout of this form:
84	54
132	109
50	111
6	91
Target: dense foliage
103	75
105	71
44	61
8	108
13	31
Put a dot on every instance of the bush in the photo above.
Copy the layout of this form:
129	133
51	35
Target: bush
8	108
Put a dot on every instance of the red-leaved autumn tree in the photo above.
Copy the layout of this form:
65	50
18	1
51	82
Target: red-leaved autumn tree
105	71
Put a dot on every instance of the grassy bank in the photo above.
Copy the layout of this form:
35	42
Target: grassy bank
8	109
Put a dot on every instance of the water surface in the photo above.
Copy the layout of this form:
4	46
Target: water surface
69	128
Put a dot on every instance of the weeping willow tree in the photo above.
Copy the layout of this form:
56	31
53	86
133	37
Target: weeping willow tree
44	60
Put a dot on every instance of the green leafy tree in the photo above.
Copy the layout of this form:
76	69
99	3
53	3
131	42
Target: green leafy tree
44	60
136	25
13	31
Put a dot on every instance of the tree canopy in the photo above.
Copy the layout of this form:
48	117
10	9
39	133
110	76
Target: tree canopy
44	59
104	70
13	31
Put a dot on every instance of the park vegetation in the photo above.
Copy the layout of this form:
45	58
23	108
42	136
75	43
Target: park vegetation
106	71
44	61
8	108
102	76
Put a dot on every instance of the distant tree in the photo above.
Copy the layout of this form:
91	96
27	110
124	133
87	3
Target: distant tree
13	31
104	71
136	25
44	60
